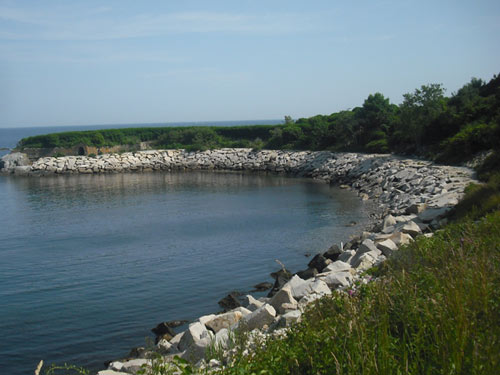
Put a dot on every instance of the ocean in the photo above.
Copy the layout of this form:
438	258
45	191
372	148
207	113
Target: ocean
89	264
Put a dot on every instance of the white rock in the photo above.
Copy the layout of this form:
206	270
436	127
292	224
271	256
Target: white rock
206	318
244	311
262	316
411	228
251	303
287	319
195	333
387	247
177	339
197	350
222	338
389	221
300	288
346	256
310	298
337	266
336	279
401	238
134	365
225	320
366	261
284	296
112	372
164	346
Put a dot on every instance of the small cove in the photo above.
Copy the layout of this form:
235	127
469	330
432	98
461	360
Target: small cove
91	263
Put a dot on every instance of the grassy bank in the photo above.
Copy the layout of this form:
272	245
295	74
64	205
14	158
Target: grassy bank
436	310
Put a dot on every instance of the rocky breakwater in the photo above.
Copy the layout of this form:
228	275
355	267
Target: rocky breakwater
396	183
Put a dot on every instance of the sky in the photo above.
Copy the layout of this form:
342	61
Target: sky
120	62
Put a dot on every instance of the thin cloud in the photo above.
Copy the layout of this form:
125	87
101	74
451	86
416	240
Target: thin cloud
102	24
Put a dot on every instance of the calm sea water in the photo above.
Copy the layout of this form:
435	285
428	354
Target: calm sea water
89	264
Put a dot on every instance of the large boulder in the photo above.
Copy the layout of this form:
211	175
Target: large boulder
132	366
389	221
163	331
225	320
337	266
287	319
431	214
300	288
251	303
333	253
346	256
15	159
335	280
319	262
401	238
259	318
387	247
230	301
366	247
284	296
195	333
281	277
411	228
308	273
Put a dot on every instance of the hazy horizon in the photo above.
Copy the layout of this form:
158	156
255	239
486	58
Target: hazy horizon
127	62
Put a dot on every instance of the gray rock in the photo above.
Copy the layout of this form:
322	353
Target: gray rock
132	366
251	303
222	338
366	261
259	318
387	247
206	318
401	238
366	247
225	320
337	266
299	288
195	333
14	159
431	214
244	311
389	221
112	372
287	319
346	256
197	350
411	228
416	208
164	346
284	296
337	279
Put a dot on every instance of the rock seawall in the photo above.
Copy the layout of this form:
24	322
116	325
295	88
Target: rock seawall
395	182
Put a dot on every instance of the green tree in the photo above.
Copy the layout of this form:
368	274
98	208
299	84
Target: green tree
419	111
374	122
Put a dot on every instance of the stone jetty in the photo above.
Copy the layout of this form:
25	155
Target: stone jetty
413	196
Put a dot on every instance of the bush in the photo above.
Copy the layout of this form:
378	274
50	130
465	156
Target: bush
469	141
434	311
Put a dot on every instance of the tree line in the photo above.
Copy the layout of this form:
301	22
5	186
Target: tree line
427	123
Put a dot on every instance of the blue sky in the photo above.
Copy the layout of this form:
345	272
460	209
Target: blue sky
108	62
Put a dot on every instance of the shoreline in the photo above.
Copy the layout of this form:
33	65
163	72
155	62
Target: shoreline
413	195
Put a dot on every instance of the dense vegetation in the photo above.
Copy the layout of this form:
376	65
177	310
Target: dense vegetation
427	123
434	311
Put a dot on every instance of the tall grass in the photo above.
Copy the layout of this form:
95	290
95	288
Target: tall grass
435	310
